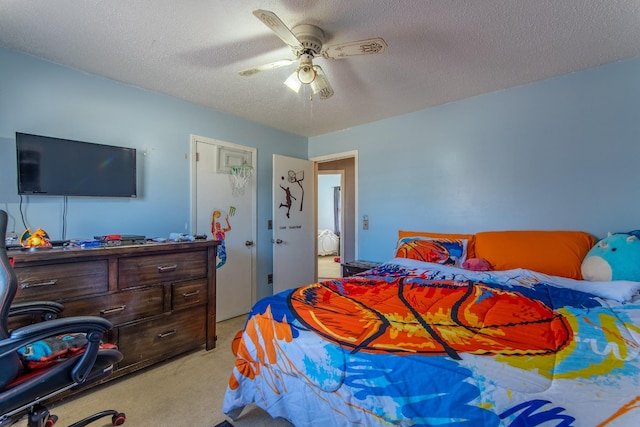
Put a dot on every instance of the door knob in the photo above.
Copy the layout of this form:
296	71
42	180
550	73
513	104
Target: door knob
248	243
277	241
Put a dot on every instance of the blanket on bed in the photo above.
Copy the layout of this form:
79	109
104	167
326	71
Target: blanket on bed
421	344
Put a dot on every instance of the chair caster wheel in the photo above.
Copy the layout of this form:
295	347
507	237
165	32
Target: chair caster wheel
118	419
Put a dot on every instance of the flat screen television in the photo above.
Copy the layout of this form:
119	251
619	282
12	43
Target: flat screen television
61	167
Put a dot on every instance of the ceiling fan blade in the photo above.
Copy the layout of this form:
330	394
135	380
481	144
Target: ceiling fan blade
265	67
272	21
321	85
363	47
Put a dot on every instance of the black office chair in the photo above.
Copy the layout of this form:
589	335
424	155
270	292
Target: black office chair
22	391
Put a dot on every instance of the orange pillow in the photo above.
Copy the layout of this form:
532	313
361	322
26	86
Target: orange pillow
453	236
557	253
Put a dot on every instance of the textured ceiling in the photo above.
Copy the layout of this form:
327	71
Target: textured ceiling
438	50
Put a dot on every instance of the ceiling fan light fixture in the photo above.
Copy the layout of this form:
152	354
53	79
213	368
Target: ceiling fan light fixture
316	86
320	85
305	71
293	82
306	74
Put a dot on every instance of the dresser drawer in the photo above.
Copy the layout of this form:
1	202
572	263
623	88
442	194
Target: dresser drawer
120	307
162	337
187	294
65	280
152	269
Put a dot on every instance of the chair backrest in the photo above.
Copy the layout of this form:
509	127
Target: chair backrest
10	363
8	281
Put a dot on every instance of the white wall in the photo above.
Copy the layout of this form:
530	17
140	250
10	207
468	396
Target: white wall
557	154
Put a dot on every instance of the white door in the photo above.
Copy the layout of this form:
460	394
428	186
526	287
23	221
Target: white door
223	215
294	233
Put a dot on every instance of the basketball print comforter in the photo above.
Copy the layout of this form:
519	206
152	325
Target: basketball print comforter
411	343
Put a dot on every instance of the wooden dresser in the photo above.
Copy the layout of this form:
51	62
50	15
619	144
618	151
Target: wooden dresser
160	297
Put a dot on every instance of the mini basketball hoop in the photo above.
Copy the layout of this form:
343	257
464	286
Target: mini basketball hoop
294	176
239	175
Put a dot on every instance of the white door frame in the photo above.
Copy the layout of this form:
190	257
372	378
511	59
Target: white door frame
193	183
339	156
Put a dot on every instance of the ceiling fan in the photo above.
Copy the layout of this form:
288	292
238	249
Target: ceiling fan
306	42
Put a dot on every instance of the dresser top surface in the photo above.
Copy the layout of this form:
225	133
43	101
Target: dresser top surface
71	253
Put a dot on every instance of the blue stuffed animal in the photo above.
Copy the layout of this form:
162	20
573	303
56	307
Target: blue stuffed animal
616	257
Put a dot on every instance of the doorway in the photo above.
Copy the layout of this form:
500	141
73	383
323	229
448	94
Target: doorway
345	165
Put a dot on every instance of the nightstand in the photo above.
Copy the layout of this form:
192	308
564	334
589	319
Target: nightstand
353	267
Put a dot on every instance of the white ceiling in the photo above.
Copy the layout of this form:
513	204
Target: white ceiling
439	50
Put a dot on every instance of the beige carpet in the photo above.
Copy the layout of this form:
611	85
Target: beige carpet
328	268
185	391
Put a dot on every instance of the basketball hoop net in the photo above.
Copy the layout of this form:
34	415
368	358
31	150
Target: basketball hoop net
239	176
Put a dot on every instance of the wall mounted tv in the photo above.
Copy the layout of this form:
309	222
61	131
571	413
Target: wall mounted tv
62	167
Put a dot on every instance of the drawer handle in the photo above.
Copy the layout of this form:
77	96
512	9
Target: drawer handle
36	285
166	334
113	309
165	268
190	294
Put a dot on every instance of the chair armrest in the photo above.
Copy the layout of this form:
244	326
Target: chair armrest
46	309
29	334
82	369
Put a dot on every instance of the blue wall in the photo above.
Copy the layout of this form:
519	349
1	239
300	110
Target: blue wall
46	99
556	154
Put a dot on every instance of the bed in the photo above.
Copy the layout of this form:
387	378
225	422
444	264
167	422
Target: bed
328	243
425	342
